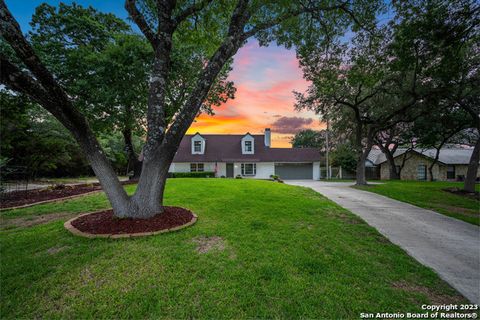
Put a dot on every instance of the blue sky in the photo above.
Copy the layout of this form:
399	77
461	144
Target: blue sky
23	10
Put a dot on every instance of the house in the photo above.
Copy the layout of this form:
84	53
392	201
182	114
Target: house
452	163
248	155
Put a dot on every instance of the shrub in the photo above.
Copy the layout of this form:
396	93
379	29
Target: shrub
58	186
274	177
206	174
238	176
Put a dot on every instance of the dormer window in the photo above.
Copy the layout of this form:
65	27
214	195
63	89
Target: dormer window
248	144
198	144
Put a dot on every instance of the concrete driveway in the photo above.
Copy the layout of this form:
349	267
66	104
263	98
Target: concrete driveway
449	246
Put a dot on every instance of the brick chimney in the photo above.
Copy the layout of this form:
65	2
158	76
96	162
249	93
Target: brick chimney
267	137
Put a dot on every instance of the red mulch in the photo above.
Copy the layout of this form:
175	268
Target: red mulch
105	222
20	198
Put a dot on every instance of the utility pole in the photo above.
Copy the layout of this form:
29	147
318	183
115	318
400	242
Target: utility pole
327	172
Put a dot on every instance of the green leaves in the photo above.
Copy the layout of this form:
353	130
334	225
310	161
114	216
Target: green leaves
309	139
102	64
33	139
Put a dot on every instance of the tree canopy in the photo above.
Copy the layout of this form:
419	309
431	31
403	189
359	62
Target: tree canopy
309	139
393	73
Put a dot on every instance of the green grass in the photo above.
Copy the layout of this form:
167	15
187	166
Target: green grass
430	195
289	253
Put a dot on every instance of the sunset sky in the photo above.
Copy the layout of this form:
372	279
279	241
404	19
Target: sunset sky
264	77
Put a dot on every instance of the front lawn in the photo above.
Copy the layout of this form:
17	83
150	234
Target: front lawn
259	250
430	195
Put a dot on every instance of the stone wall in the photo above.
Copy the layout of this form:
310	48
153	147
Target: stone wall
409	171
461	170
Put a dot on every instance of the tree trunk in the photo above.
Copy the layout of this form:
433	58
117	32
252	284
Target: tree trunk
472	169
392	168
394	175
108	180
132	157
362	154
362	157
148	198
437	155
430	171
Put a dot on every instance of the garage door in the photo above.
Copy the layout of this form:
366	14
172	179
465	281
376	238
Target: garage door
292	171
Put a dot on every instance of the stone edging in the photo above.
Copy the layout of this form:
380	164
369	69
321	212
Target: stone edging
68	225
51	200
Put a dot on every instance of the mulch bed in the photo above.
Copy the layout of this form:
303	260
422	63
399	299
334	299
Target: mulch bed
20	198
472	195
105	223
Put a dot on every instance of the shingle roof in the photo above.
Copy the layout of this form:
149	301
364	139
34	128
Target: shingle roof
374	154
446	156
227	148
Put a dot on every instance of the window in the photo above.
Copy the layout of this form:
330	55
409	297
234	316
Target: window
248	146
196	167
422	172
197	146
249	169
450	172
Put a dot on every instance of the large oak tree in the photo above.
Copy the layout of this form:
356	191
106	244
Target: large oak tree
163	22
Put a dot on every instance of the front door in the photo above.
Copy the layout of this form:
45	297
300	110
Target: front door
229	170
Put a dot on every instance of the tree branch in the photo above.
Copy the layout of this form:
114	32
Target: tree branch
225	51
11	32
139	19
193	9
17	80
290	14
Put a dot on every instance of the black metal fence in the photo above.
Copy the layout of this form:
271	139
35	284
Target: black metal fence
14	178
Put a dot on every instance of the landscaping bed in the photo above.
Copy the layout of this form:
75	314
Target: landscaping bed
21	198
105	223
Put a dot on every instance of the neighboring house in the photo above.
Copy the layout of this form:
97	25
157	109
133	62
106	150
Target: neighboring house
248	155
452	163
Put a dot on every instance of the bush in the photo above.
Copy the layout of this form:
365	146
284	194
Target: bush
206	174
238	176
58	186
274	177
